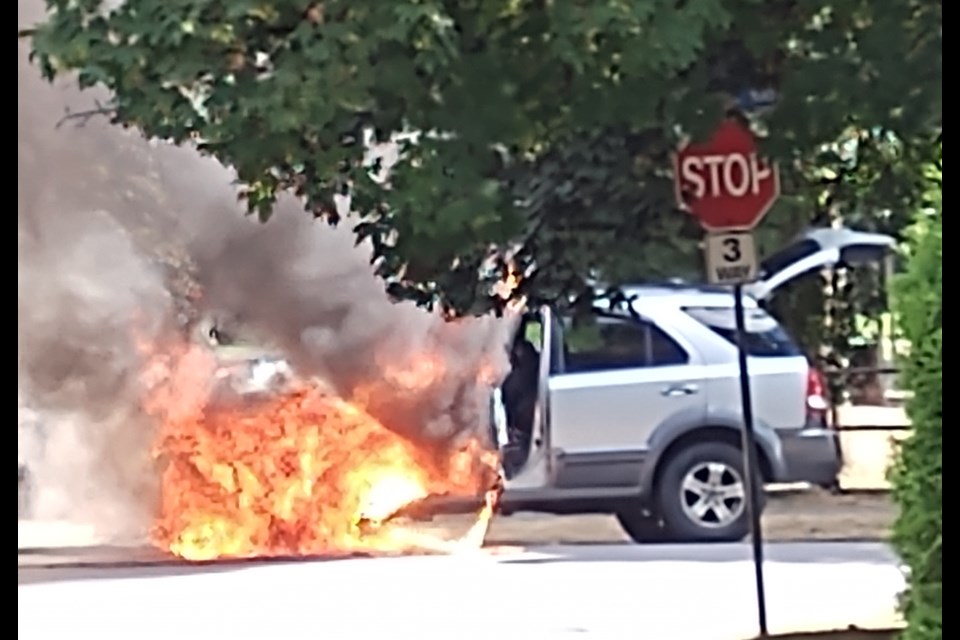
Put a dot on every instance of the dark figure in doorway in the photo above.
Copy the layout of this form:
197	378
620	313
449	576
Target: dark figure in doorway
520	396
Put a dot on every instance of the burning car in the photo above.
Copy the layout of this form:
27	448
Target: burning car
261	462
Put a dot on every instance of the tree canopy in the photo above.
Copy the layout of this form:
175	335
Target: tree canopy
541	125
917	473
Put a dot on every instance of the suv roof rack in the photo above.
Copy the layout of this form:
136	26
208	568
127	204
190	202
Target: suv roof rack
676	285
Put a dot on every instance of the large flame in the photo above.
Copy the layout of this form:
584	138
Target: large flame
294	473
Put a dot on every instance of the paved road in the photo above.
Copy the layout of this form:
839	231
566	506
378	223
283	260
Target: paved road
800	517
606	591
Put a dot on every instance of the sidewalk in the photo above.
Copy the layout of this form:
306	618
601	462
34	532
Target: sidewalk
676	592
34	534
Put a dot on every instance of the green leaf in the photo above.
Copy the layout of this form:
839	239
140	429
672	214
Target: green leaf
554	122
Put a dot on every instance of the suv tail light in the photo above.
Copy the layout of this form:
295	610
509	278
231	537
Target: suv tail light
816	396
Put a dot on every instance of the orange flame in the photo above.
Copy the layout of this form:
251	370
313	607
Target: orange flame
297	473
507	287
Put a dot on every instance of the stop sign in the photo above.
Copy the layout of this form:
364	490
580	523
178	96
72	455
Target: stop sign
724	182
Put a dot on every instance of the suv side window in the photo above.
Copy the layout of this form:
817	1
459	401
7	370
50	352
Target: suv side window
623	344
765	337
664	350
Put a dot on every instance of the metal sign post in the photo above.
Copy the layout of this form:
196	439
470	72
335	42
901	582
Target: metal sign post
753	480
727	185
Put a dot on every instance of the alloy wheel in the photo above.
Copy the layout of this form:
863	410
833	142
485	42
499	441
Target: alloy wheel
713	494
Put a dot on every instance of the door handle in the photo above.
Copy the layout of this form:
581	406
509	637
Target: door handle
674	391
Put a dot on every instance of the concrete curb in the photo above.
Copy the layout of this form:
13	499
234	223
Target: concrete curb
129	557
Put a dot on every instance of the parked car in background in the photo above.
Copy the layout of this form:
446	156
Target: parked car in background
645	420
29	447
242	375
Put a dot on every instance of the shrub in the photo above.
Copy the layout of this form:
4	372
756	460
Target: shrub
917	474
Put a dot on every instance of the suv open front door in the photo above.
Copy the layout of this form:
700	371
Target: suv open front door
520	408
817	249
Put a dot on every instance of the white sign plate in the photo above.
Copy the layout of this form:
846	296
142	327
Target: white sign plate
731	258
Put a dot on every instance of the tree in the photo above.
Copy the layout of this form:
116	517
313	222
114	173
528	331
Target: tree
918	472
543	126
867	179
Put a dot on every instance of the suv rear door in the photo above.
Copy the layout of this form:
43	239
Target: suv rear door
778	367
615	389
815	250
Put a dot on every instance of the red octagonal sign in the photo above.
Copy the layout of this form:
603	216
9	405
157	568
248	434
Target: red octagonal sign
724	182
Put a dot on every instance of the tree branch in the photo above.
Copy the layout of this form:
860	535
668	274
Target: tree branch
83	117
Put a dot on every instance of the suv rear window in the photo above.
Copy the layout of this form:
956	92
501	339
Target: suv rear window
789	255
765	336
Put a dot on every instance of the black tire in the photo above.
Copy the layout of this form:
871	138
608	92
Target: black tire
642	528
672	500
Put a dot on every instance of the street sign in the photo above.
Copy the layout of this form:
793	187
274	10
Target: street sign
731	258
724	181
729	187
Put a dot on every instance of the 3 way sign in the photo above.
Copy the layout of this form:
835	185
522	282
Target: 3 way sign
729	187
731	257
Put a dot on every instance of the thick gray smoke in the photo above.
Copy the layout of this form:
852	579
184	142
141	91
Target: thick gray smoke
108	225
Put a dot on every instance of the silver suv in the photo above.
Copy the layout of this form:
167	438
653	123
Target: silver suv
642	416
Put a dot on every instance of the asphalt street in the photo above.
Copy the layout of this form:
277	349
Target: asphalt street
702	592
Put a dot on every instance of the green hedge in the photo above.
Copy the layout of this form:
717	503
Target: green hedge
917	475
